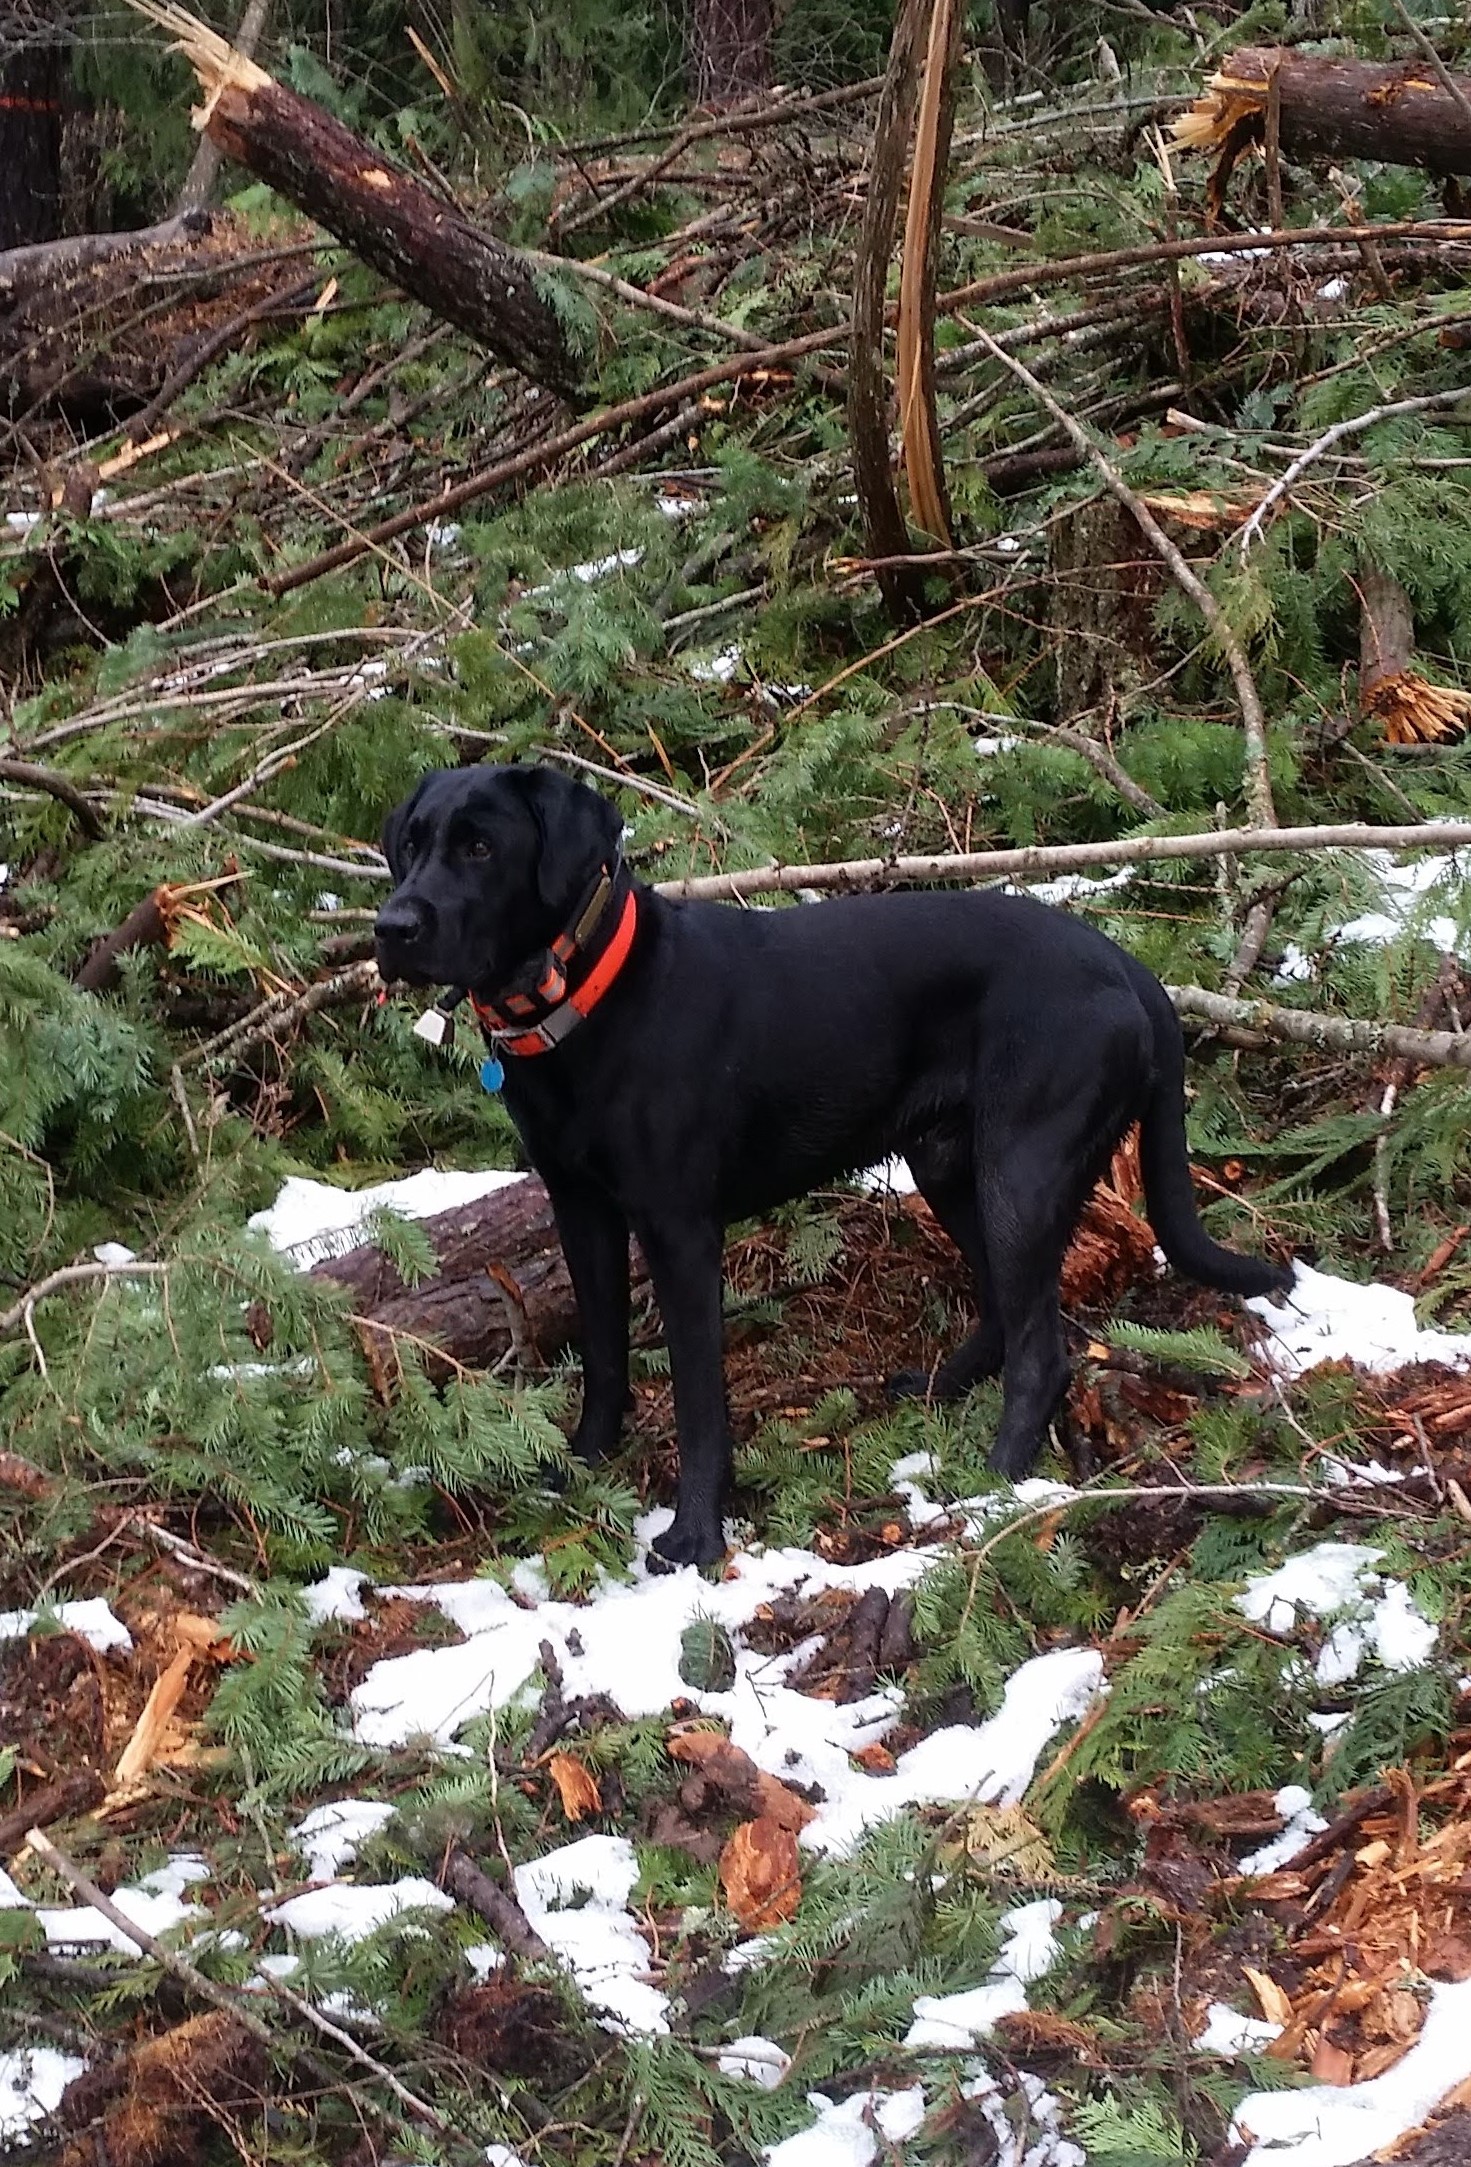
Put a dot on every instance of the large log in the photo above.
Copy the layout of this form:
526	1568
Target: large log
389	219
502	1286
1402	114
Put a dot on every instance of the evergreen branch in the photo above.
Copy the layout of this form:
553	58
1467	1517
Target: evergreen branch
233	2002
636	297
1217	1493
1354	426
284	1008
1033	858
71	1275
1253	717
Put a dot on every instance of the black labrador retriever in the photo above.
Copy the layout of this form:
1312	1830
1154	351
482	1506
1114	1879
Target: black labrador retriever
674	1066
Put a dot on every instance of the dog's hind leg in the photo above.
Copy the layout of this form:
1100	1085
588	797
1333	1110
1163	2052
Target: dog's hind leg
951	1193
1041	1149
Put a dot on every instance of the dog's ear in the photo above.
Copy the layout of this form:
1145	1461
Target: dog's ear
393	828
577	830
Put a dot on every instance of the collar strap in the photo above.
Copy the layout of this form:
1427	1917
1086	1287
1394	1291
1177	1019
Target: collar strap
537	1021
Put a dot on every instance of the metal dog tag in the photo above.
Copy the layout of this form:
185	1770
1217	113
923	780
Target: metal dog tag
435	1028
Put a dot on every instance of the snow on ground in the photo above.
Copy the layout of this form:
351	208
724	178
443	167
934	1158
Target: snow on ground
336	1595
759	2061
32	2080
1296	1808
1342	1581
1340	2125
352	1910
953	2022
577	1900
312	1219
625	1643
1229	2033
155	1903
91	1621
853	2132
330	1836
1324	1319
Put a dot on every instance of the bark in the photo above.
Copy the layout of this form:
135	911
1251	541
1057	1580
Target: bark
502	1286
392	221
1400	114
146	926
915	332
1409	709
730	49
1386	629
885	531
31	84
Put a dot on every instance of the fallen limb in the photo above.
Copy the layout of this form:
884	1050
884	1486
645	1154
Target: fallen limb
471	1885
501	1286
232	2001
1034	858
1400	112
60	787
385	216
283	1009
44	264
1354	426
1337	1034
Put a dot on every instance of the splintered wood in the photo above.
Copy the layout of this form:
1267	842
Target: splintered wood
1368	1912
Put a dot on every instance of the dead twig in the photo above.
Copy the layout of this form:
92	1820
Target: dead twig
283	1009
1354	426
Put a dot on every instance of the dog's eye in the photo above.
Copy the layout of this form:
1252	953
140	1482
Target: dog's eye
477	847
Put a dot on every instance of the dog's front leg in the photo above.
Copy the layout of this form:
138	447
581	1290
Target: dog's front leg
684	1258
594	1236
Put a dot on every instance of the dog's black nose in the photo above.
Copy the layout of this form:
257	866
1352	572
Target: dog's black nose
400	923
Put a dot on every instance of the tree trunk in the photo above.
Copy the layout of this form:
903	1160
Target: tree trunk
729	49
1401	114
1409	709
427	248
502	1286
885	531
200	180
924	467
31	83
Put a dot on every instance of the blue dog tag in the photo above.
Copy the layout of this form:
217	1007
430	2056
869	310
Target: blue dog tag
492	1075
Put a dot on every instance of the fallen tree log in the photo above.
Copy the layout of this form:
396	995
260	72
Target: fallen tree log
502	1287
1401	113
383	215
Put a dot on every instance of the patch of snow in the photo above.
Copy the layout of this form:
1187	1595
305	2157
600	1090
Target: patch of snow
501	2155
1231	2034
442	534
1071	887
330	1836
621	560
954	2022
1360	1475
114	1255
1325	1319
993	1762
1303	1824
32	2080
352	1912
336	1595
368	678
1039	2141
91	1620
1333	289
1318	1582
678	507
1342	1581
1329	1724
22	522
850	2133
988	747
759	2061
483	1958
717	669
1327	2125
312	1219
329	900
155	1903
974	1513
576	1898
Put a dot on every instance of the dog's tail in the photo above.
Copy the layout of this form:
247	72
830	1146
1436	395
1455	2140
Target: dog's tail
1164	1161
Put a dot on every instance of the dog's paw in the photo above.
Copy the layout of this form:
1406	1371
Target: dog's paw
692	1542
909	1384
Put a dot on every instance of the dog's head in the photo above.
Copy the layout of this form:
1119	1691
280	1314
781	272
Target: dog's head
488	864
